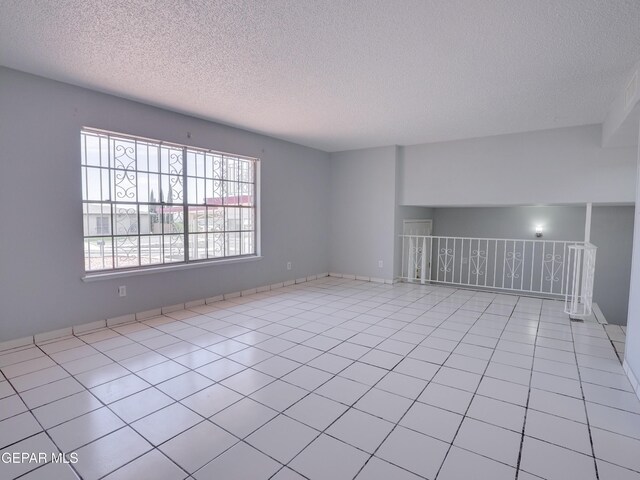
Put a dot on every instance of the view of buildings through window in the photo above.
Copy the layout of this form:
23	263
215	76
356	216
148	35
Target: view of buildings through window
150	203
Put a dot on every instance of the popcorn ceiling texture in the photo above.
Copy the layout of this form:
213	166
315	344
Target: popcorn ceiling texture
339	75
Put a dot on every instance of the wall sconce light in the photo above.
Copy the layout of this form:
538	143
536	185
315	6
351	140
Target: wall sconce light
538	231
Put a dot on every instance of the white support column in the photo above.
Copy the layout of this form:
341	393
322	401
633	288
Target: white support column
587	224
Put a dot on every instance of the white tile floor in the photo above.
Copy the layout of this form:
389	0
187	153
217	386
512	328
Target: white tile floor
332	379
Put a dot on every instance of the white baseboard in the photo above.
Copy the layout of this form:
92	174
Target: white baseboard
173	308
146	315
122	319
635	381
88	327
47	336
195	303
362	278
16	343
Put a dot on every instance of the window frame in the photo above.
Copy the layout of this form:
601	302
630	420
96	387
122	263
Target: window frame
185	206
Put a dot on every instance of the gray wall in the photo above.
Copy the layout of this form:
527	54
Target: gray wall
551	167
611	232
632	346
362	212
41	250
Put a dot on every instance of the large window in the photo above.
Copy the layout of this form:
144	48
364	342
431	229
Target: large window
148	202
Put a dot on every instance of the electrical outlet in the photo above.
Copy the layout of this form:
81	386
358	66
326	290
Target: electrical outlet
380	263
288	265
122	291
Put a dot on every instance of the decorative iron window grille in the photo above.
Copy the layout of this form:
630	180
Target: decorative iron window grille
149	202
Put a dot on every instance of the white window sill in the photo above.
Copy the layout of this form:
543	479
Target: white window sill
94	277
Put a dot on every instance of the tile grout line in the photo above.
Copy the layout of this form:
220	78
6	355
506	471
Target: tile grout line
344	320
526	409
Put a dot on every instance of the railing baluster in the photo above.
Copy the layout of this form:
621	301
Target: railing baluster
438	265
544	248
495	262
533	256
486	262
469	263
560	262
564	260
423	264
553	267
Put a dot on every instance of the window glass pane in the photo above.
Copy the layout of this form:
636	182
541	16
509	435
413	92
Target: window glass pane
230	168
92	152
197	246
246	194
215	245
97	254
172	219
197	219
247	243
230	193
232	244
144	215
215	219
191	163
125	219
246	171
93	185
96	219
173	248
142	156
200	160
126	252
154	164
232	219
175	161
247	219
124	186
124	154
134	203
151	250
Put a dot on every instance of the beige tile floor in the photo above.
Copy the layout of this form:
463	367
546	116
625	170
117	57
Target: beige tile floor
332	379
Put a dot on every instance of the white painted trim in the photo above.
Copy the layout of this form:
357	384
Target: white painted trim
217	298
195	303
17	343
600	318
52	335
362	278
88	327
146	315
173	308
635	382
93	277
122	319
407	221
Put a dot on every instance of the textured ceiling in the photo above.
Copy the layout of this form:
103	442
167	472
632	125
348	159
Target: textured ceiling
340	74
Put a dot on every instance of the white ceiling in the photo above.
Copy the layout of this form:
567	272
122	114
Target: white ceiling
340	74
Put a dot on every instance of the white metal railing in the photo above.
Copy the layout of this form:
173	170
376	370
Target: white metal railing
578	298
537	267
